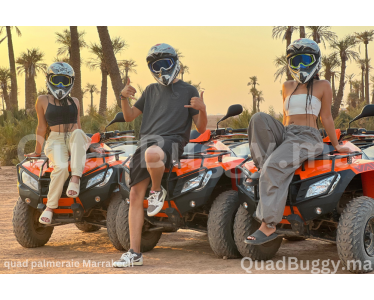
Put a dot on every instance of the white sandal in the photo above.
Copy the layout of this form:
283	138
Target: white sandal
75	187
46	214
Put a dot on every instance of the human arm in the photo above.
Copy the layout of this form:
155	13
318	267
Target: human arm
327	120
129	113
41	128
200	119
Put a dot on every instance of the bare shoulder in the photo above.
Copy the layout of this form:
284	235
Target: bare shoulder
289	84
324	83
76	101
41	101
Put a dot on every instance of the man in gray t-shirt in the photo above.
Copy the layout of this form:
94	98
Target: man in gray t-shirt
168	108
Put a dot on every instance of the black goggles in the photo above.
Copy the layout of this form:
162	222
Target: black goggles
60	80
302	61
163	63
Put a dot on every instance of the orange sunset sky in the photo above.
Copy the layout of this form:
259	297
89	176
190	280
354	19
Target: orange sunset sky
221	58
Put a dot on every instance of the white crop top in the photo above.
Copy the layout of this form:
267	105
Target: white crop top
298	103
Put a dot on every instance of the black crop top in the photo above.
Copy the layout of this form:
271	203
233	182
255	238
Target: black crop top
54	114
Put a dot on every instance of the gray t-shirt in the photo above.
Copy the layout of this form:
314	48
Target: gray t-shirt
164	113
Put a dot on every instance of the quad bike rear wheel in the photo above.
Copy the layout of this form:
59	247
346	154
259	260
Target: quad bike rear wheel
244	226
111	216
355	236
149	238
220	225
26	227
85	227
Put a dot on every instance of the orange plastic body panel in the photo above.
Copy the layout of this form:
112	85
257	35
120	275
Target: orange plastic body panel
204	137
64	202
338	134
95	138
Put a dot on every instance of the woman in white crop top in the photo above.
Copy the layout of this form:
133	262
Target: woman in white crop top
279	149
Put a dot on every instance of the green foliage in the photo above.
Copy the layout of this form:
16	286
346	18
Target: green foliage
13	127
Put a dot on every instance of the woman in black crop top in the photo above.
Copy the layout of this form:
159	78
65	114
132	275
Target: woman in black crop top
59	113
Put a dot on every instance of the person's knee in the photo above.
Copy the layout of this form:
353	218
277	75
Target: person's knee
258	117
136	195
154	154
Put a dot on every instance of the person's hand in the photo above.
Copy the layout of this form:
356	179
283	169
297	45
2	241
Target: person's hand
197	103
98	150
128	91
343	149
33	154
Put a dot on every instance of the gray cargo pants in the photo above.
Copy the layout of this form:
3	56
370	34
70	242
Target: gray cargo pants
278	151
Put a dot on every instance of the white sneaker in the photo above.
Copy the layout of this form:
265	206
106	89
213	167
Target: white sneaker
156	202
129	259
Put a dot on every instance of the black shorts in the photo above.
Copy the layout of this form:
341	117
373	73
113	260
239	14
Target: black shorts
171	145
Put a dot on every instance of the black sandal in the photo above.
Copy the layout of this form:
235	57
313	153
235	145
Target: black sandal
260	238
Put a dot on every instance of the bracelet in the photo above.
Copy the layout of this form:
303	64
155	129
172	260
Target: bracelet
122	97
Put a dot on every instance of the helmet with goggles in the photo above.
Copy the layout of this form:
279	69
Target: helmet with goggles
303	59
60	79
162	60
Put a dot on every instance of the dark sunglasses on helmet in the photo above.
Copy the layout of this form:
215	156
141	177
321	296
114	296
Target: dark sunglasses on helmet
164	63
60	80
302	61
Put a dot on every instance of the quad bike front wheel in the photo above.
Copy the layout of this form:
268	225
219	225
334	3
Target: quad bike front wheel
245	225
355	236
111	216
26	227
220	225
149	238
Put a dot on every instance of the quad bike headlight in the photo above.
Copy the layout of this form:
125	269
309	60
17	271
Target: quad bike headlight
97	178
249	188
320	187
195	182
29	181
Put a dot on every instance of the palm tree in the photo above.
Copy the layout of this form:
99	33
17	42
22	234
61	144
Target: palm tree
366	37
126	67
253	82
62	59
329	63
98	62
321	34
5	79
12	65
75	61
281	63
302	31
91	88
111	62
64	39
30	63
259	99
285	33
345	49
362	65
184	69
350	80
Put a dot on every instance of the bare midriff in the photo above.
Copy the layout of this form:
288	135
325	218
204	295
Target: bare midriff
302	120
60	128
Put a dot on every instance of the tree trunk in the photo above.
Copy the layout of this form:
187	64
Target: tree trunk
372	98
339	97
6	97
32	97
254	102
75	59
111	62
302	32
91	99
362	98
333	86
103	92
13	74
367	75
27	90
328	75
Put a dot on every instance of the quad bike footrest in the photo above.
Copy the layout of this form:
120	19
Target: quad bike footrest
77	211
296	222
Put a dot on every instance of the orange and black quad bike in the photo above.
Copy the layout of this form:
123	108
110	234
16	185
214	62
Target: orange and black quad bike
200	193
98	199
331	198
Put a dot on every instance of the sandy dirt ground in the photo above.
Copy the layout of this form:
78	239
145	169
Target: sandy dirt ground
184	251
